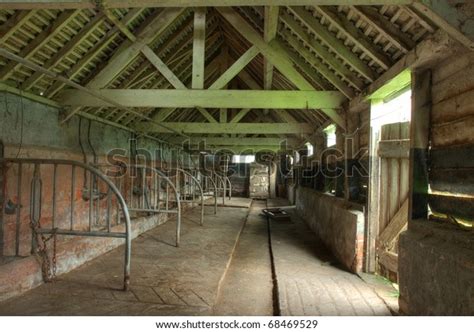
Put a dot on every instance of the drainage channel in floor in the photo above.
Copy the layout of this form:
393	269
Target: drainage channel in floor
247	287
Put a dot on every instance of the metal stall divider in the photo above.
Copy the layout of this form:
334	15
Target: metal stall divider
96	219
209	186
147	190
186	184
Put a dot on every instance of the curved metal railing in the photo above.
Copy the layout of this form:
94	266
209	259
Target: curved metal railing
90	212
147	190
224	186
186	184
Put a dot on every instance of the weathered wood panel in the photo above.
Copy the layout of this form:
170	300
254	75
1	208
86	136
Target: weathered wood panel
457	107
451	174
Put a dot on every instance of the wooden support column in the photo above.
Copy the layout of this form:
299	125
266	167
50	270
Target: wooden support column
420	138
199	47
270	31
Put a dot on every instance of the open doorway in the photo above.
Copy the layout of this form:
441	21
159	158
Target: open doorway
389	174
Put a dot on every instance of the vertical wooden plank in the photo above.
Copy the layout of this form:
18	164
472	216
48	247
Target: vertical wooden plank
199	46
373	198
404	164
419	132
394	177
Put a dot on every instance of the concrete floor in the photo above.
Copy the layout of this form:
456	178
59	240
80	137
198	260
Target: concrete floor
310	281
222	268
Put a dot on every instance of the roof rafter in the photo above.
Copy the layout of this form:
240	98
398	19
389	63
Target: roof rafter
39	41
86	30
147	52
333	43
356	36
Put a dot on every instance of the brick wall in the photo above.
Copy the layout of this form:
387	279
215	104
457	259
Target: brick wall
336	224
31	130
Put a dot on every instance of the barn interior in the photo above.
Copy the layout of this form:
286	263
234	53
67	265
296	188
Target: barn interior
237	157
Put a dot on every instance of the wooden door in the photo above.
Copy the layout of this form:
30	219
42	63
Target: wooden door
393	153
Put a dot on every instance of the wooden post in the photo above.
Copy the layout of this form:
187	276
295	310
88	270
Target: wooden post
420	135
199	47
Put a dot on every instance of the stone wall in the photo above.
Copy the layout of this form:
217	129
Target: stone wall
339	227
436	270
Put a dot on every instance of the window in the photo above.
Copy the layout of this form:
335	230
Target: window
330	132
243	159
310	148
393	109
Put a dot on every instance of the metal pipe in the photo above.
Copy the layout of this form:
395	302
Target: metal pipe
73	189
18	211
53	215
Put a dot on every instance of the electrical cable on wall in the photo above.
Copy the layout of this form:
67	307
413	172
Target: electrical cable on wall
82	149
90	143
22	122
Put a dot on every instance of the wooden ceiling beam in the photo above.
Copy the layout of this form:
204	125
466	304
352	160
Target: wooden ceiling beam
111	102
278	59
262	141
335	44
230	128
39	41
18	18
147	52
319	65
129	50
84	33
108	38
205	98
271	14
389	31
199	48
205	113
84	4
235	68
320	50
355	35
240	115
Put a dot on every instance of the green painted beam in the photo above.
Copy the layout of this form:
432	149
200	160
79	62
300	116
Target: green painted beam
262	141
205	98
228	128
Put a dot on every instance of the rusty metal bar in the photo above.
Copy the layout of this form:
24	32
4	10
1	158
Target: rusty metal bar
53	205
73	189
18	211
